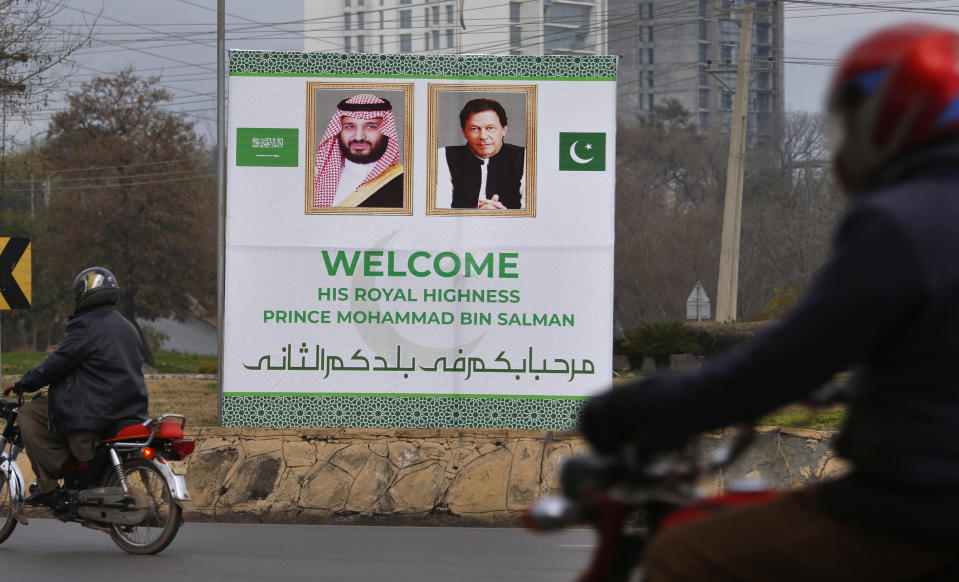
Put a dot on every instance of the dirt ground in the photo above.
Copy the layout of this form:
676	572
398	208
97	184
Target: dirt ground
195	398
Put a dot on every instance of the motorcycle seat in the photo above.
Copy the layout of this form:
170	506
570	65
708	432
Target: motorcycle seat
168	430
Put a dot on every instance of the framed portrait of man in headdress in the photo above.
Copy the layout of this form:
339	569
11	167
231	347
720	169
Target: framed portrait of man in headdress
482	150
359	139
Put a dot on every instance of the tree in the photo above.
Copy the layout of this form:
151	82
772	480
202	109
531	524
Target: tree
35	58
34	55
670	187
134	193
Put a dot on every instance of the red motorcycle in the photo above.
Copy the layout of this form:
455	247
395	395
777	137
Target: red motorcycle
627	501
128	490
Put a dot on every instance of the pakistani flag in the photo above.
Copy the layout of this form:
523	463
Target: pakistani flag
582	152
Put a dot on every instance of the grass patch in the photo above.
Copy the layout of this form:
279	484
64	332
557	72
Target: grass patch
16	363
175	363
798	416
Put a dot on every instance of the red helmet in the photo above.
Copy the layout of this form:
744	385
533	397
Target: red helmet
895	91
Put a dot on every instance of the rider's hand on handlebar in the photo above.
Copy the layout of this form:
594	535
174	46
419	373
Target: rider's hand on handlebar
7	389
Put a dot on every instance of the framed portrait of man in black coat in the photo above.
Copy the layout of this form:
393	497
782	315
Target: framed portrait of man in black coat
482	150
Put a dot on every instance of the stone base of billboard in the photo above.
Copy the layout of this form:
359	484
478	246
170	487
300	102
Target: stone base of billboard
428	477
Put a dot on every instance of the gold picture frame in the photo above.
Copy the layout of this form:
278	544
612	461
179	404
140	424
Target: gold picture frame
445	103
321	102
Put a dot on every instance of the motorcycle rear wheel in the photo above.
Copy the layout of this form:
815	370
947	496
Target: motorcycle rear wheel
160	526
8	521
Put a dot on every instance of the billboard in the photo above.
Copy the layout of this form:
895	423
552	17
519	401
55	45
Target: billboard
417	241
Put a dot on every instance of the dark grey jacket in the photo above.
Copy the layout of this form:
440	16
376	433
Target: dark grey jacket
94	374
887	305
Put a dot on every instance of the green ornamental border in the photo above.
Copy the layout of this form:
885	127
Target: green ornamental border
312	411
355	65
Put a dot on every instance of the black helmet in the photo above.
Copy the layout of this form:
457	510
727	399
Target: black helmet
95	286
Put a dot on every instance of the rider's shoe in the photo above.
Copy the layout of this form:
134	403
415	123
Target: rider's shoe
49	499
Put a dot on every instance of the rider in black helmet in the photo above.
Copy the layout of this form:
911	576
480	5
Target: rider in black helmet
96	385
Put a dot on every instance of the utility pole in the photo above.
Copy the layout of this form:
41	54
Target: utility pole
727	291
220	193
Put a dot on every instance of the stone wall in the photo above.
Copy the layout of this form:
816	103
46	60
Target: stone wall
430	477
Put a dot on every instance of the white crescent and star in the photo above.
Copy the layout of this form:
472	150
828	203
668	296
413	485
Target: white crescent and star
576	158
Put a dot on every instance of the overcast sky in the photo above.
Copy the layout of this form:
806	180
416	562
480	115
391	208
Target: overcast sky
176	40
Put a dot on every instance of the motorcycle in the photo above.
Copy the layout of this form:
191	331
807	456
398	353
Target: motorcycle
128	490
627	499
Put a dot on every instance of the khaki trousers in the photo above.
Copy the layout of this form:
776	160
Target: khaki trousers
784	540
49	451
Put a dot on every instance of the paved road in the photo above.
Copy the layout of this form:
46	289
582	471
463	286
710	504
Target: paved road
50	550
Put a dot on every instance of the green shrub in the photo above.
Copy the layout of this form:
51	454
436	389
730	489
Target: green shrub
715	338
207	368
783	301
659	340
622	347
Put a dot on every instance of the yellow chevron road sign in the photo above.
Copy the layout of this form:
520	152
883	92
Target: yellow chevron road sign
16	291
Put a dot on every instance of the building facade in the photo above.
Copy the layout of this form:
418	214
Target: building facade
524	27
687	50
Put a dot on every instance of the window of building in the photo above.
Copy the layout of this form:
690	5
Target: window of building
436	15
426	15
727	100
381	19
566	14
703	120
702	8
649	56
347	19
347	3
650	100
361	2
703	53
361	20
450	38
406	1
406	18
360	44
406	43
704	98
726	53
382	47
703	75
649	10
436	39
703	30
762	32
649	79
449	13
347	44
649	33
514	11
515	38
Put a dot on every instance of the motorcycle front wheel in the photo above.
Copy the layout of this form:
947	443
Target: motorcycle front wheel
7	521
163	516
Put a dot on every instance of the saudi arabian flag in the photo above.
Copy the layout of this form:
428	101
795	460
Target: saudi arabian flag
582	152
